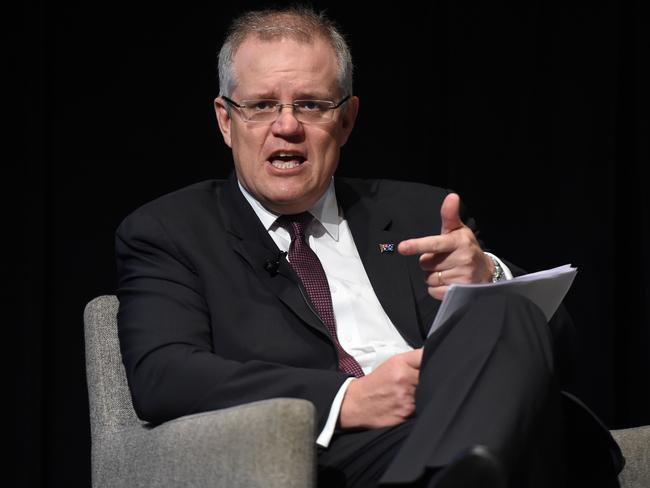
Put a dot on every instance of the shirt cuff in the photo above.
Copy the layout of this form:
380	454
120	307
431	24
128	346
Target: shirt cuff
326	434
506	271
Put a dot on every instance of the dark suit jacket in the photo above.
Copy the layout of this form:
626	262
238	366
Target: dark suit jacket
203	325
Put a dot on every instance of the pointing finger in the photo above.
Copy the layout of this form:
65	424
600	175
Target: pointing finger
430	244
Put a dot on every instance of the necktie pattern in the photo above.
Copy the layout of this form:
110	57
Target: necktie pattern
310	271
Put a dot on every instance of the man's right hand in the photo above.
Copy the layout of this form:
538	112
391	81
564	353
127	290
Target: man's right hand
384	397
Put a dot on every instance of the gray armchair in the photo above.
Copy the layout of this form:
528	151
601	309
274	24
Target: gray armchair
266	444
635	444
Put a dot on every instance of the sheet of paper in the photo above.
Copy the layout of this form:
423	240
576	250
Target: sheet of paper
544	288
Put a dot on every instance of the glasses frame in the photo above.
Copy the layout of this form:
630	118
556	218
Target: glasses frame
279	106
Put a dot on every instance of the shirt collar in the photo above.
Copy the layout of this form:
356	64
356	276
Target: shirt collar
325	211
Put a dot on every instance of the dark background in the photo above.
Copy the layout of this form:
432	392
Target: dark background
536	112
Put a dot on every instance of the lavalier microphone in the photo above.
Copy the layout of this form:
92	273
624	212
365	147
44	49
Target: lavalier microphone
273	264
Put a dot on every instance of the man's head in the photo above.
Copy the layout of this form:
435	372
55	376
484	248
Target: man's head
289	55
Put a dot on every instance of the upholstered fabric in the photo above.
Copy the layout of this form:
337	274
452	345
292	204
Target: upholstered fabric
109	397
262	444
635	444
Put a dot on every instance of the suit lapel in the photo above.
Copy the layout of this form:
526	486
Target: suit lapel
254	244
388	272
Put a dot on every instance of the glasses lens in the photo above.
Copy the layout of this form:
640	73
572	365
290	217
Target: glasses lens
260	110
313	110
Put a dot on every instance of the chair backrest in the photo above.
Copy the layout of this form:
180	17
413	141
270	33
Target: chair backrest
109	397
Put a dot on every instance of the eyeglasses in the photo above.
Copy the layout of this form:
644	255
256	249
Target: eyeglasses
305	111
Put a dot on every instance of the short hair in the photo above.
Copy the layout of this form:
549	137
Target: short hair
300	23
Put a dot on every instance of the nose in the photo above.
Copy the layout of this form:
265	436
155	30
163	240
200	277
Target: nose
286	124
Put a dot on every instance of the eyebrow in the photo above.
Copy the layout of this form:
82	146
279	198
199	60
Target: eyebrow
300	96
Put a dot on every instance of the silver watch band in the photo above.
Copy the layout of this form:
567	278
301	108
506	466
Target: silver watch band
498	274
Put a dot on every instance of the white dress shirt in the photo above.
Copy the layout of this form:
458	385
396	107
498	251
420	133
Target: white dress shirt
363	328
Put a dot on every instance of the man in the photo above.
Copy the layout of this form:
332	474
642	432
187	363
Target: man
285	281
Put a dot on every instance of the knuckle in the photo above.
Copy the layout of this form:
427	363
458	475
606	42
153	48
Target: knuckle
399	378
405	410
467	239
466	258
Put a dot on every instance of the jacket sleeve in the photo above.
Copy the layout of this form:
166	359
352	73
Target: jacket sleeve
166	339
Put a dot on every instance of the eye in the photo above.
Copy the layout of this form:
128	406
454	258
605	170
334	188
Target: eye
312	105
263	105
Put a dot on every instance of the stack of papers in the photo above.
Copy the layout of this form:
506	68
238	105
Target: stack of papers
545	288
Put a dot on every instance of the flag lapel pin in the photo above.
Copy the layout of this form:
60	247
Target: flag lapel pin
386	247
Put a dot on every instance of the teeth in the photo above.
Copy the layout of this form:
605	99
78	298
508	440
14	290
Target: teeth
285	164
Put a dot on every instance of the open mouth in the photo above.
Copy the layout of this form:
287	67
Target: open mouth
286	160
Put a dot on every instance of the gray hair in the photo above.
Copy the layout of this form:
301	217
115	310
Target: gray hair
299	23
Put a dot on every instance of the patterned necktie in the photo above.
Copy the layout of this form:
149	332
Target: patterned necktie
310	271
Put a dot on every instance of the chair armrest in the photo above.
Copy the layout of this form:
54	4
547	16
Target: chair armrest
635	445
263	444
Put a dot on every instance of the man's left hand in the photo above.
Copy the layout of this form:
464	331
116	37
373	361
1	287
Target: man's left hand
454	256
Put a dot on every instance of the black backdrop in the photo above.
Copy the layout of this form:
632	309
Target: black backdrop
535	112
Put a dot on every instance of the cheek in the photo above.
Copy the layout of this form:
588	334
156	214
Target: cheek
332	156
328	149
247	149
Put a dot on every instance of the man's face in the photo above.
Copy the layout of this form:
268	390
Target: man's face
286	165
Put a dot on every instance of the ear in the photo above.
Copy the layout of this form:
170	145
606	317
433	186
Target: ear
224	119
350	112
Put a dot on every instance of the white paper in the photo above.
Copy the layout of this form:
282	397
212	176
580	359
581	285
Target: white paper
544	288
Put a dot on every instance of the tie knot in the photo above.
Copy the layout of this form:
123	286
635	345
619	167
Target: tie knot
296	223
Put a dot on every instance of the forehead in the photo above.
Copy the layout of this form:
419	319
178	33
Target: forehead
285	67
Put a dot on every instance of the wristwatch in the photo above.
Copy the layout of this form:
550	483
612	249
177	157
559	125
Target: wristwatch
497	274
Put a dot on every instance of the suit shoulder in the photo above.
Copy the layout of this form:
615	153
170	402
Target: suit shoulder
406	192
195	194
179	203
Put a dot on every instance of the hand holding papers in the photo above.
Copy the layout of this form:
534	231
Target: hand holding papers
545	288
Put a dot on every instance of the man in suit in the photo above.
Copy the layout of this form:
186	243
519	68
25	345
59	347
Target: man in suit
284	281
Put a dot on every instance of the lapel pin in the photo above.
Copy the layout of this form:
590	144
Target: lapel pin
386	247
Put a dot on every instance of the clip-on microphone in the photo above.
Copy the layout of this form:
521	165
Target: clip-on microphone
273	264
